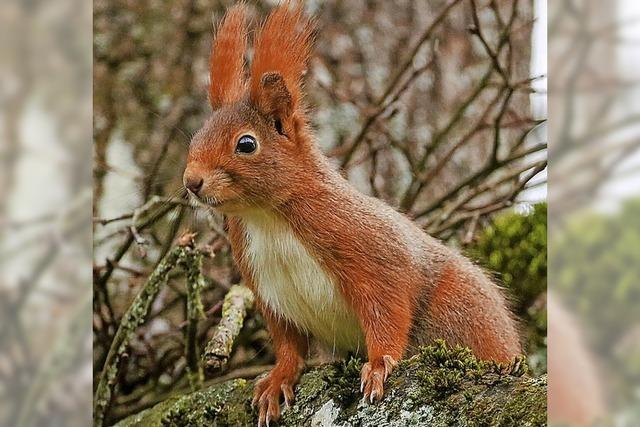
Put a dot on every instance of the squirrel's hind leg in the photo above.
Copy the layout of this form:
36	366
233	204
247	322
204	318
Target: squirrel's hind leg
386	322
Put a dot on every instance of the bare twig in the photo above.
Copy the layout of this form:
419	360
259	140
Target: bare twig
395	80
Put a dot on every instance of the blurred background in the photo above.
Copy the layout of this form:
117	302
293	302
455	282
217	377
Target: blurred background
45	206
594	211
437	108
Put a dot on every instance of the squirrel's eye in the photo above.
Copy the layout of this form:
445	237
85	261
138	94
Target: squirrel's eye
246	145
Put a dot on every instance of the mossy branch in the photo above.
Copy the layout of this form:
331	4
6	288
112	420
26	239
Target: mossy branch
192	265
188	258
238	301
440	386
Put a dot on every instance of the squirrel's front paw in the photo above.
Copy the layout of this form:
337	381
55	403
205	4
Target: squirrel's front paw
266	397
373	375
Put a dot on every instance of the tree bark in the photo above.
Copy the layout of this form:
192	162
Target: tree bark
438	387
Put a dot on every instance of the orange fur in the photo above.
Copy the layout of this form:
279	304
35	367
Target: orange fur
475	330
226	64
282	45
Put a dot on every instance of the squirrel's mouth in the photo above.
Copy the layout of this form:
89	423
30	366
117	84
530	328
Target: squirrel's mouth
210	202
214	203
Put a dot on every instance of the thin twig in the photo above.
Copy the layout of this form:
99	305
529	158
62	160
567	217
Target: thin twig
395	80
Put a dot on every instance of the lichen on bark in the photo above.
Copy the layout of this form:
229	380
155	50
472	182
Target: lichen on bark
238	301
190	259
440	386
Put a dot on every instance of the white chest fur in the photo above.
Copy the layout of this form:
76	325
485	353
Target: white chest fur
294	285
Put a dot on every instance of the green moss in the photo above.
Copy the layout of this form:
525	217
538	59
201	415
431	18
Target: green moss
225	405
345	381
524	403
444	371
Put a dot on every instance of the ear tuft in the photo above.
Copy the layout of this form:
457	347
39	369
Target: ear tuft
274	99
226	65
282	48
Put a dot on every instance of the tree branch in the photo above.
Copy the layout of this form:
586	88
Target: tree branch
238	301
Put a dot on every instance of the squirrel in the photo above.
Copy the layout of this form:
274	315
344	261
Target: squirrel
323	260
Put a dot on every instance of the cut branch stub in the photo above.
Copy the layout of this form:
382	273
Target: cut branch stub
238	301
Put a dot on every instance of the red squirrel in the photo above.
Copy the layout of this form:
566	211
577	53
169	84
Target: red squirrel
324	260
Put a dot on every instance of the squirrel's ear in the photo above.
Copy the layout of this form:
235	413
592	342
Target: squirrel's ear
226	66
274	99
281	49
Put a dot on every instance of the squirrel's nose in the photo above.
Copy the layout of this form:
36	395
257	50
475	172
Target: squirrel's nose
193	184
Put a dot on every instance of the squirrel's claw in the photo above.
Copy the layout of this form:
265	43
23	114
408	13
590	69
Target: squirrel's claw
373	376
266	398
287	392
268	408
